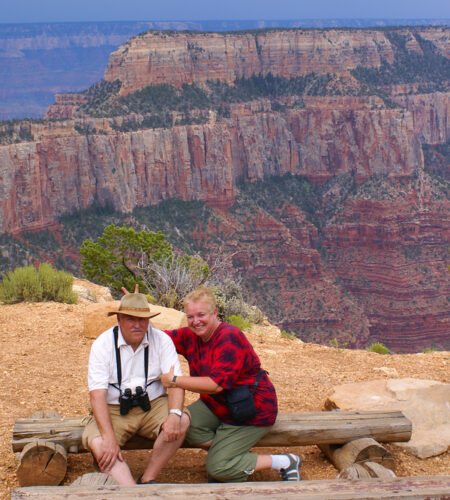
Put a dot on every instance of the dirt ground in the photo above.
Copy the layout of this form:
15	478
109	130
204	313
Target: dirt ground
43	365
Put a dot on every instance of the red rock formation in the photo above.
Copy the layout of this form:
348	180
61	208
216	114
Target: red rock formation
178	58
391	253
65	105
44	179
430	116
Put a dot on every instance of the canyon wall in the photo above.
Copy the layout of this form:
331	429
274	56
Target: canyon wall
185	58
61	173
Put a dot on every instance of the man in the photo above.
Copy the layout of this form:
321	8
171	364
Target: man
126	395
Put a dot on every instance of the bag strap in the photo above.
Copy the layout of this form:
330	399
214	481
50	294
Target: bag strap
220	397
146	361
255	385
119	363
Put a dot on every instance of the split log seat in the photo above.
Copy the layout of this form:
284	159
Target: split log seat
290	429
417	488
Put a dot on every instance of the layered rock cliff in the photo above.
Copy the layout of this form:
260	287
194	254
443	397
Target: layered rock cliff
44	179
182	58
366	263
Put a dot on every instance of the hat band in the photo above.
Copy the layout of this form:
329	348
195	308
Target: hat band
143	309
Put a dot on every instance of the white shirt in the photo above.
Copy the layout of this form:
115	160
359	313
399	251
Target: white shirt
102	368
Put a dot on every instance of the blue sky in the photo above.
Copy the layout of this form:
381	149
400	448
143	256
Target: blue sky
24	11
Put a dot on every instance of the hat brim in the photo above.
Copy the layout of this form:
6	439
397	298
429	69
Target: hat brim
136	314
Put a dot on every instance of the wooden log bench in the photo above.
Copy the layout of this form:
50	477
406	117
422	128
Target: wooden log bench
42	441
417	488
290	429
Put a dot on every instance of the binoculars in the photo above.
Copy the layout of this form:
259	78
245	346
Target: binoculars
129	400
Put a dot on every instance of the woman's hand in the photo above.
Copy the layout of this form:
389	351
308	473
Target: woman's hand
166	378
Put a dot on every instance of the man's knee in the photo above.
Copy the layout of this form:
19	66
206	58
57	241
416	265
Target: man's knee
95	445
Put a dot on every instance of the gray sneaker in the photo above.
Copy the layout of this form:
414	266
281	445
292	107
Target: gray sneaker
292	473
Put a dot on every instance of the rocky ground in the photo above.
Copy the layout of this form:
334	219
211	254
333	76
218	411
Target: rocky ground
43	365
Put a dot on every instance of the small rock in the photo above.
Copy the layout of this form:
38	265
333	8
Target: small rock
391	372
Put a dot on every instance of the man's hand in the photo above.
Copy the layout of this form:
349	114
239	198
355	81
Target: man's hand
166	378
171	428
109	453
126	292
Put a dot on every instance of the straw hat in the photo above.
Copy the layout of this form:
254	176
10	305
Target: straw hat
134	304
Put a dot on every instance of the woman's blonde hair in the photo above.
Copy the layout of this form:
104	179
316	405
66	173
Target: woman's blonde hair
201	294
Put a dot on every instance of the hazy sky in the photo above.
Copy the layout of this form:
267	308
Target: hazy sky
24	11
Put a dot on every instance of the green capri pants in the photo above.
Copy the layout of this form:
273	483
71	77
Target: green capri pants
229	459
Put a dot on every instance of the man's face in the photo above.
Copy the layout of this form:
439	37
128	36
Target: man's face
201	319
133	329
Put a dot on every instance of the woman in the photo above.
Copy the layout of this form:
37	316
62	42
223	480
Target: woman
221	358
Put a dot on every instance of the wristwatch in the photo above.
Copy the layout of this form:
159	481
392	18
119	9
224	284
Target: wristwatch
174	381
176	411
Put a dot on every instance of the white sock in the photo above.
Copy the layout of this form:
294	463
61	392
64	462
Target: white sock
280	462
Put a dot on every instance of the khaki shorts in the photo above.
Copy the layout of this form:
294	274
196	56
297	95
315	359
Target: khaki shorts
146	424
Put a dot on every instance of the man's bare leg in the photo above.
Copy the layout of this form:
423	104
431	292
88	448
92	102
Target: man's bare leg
163	451
120	471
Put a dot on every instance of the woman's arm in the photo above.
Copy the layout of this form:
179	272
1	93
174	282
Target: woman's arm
202	385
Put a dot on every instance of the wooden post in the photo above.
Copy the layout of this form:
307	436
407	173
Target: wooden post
357	451
42	463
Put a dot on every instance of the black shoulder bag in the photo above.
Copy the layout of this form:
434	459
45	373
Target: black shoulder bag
240	401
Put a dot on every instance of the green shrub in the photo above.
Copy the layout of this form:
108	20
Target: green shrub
334	343
229	296
288	335
26	284
379	348
238	321
428	350
21	285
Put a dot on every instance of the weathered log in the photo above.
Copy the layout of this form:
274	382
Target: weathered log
290	429
365	470
416	488
378	470
46	414
94	479
357	451
354	471
42	463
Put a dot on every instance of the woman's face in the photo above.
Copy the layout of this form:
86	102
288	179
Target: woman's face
201	320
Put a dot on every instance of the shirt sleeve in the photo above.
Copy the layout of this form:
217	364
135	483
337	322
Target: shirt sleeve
98	367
